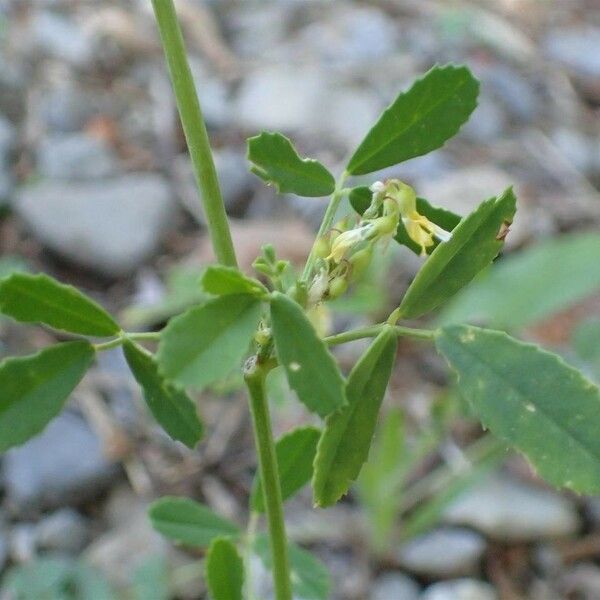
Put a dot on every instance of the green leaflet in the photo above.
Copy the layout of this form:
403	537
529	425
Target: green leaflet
311	369
277	162
41	299
34	389
346	439
208	341
221	281
295	453
530	399
420	120
531	285
475	243
189	522
360	199
310	579
224	571
171	407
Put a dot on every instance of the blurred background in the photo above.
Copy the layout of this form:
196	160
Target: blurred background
96	189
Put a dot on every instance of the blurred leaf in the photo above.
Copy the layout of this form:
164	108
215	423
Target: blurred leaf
189	522
360	199
41	299
151	580
171	407
310	579
207	342
55	578
34	389
475	243
420	120
531	399
531	285
224	571
346	439
221	281
381	478
277	162
295	453
311	369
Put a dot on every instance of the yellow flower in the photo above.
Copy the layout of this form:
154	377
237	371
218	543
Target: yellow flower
418	227
422	231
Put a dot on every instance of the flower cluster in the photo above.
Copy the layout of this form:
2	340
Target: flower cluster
345	251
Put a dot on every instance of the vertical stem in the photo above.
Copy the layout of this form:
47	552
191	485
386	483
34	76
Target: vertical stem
195	131
332	207
254	375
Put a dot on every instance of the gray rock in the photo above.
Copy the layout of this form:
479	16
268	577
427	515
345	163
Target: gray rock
508	511
4	549
119	551
51	34
514	91
12	89
7	140
63	531
350	36
581	581
235	180
460	589
582	151
22	542
577	48
77	156
443	553
110	226
280	98
65	464
486	124
394	585
463	190
65	108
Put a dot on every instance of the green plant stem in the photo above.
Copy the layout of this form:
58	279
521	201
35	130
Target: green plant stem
326	223
195	131
374	331
144	336
254	375
108	345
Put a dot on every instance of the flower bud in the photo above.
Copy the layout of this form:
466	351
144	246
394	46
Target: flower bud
360	261
322	247
337	287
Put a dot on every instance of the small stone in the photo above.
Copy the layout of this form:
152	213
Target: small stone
396	586
577	48
22	542
63	531
486	124
77	156
463	190
581	581
509	511
110	226
279	98
460	589
4	549
235	180
51	34
443	553
119	551
65	464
